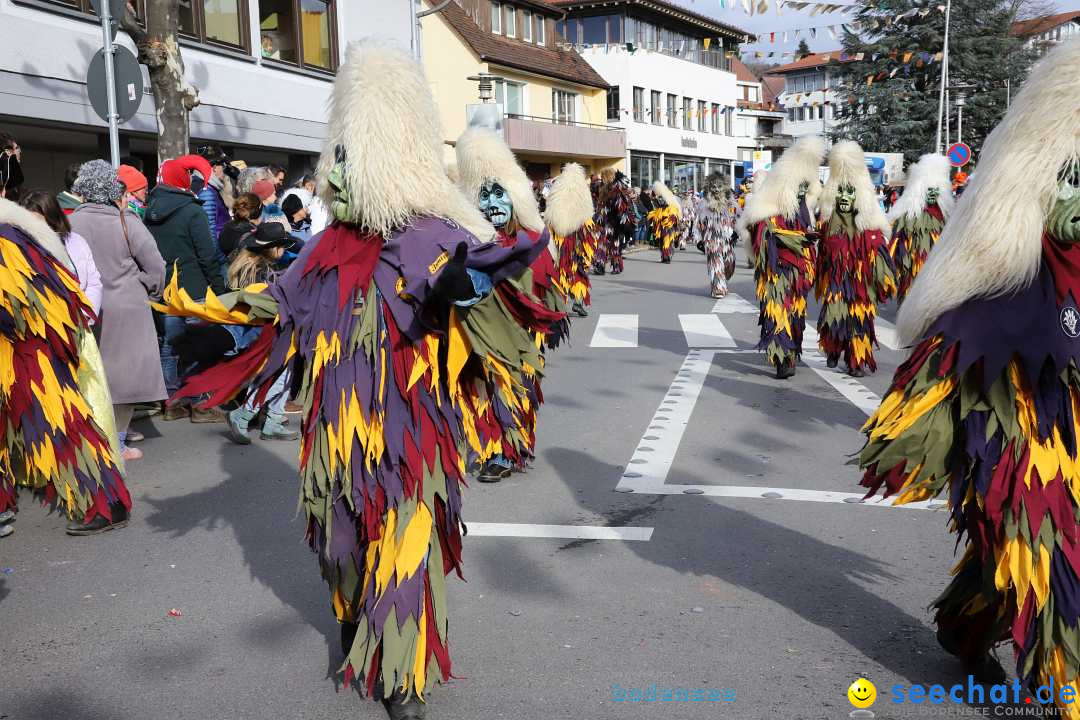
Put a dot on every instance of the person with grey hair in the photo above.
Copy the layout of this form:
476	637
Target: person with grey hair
132	271
251	175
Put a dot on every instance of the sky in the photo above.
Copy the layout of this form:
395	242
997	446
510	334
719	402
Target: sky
788	20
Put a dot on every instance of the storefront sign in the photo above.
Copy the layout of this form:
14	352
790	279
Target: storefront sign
689	142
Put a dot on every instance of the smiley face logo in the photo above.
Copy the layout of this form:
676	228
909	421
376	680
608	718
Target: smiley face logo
862	693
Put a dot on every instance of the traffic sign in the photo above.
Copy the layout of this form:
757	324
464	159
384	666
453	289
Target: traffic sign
959	154
129	84
117	8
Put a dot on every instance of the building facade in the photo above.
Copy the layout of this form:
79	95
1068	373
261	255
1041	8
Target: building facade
551	104
758	121
1043	33
673	90
808	97
263	68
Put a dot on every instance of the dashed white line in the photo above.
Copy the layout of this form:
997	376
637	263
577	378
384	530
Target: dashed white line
569	532
615	331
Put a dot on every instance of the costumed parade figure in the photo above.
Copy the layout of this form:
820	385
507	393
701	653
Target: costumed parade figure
986	409
529	308
56	419
742	231
371	319
664	220
918	216
854	270
574	235
779	217
600	193
714	231
689	204
620	218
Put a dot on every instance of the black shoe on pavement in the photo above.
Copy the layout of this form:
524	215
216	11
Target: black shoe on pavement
856	372
832	361
580	310
785	370
348	634
398	708
100	524
493	473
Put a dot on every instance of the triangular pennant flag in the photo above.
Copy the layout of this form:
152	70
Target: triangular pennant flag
832	31
813	32
772	37
860	56
869	80
894	71
785	38
763	7
706	42
779	7
939	56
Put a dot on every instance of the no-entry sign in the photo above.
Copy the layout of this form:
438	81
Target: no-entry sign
959	154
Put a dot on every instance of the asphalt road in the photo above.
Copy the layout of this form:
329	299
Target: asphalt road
779	603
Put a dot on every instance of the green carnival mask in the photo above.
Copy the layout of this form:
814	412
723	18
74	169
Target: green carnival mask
804	187
1063	222
845	199
932	195
496	204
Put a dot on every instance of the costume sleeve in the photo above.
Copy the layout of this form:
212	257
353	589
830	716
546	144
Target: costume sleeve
884	269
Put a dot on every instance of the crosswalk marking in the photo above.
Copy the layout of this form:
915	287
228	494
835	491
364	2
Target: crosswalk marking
859	395
567	532
705	331
886	333
615	331
733	303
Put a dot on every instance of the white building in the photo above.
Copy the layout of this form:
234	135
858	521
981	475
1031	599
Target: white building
1043	33
809	93
672	86
263	68
758	121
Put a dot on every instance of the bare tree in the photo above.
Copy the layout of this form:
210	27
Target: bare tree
159	51
1028	9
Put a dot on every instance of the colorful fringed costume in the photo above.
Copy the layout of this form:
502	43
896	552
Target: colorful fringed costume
854	271
778	218
986	410
574	234
577	252
714	230
918	218
55	412
599	193
664	220
621	219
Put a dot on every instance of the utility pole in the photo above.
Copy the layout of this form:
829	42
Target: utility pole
944	76
110	82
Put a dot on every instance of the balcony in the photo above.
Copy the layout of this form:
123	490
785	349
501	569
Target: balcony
544	136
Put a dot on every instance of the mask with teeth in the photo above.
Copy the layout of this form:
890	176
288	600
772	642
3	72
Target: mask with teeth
845	199
496	204
932	195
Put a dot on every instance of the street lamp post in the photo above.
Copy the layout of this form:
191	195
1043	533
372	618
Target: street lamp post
960	116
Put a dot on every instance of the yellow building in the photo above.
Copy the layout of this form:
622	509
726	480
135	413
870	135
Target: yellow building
554	104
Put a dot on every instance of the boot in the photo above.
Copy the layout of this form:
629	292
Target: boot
785	369
213	415
100	524
832	360
398	708
493	473
580	310
348	634
274	429
238	421
176	412
856	372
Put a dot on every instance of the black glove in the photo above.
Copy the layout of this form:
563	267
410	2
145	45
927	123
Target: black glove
203	345
454	282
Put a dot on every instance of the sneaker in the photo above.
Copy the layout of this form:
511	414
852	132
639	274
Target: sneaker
274	429
213	415
146	410
7	516
493	473
399	708
293	407
580	310
238	421
6	530
100	524
176	412
130	453
134	436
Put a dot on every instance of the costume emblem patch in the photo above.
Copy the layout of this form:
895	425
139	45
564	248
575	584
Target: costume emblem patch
1070	322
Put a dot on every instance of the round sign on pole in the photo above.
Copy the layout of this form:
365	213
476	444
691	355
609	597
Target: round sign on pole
959	154
117	8
129	84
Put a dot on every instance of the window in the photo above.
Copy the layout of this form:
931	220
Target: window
701	115
656	110
496	18
541	30
221	22
526	26
639	104
729	111
791	114
800	113
594	30
563	105
87	6
672	116
614	112
511	96
299	32
511	21
716	118
686	122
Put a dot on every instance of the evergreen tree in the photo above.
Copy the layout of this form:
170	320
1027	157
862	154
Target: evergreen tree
803	50
888	97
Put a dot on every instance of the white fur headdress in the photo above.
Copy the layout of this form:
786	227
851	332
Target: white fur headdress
992	244
659	188
570	205
383	115
931	171
847	165
482	156
779	193
36	227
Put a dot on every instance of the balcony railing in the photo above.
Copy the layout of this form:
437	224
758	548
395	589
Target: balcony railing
568	138
717	59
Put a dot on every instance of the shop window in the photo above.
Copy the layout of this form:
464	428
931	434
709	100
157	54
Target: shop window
299	32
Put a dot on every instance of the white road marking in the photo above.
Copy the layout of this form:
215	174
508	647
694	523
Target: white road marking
705	331
615	331
652	459
636	485
886	333
859	395
733	303
570	532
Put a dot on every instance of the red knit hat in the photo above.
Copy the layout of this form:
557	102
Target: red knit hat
264	189
133	180
177	173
